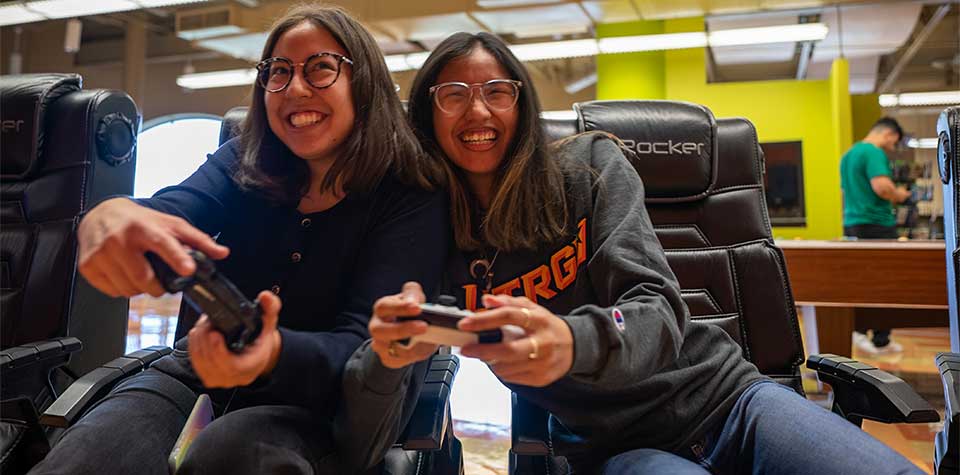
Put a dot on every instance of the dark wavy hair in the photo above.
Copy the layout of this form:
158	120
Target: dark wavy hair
529	206
381	141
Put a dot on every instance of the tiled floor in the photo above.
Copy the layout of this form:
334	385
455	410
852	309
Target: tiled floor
152	321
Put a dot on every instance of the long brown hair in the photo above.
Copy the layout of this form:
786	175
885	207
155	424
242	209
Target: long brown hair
381	140
529	206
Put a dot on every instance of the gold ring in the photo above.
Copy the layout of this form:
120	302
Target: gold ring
536	349
392	349
526	322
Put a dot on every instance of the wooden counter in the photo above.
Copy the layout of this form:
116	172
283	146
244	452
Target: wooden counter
843	284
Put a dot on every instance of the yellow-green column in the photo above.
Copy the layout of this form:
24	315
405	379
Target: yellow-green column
842	118
631	75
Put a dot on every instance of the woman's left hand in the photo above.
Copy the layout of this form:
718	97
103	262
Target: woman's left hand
218	367
542	354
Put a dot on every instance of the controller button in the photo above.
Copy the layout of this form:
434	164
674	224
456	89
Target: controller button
275	289
306	222
296	257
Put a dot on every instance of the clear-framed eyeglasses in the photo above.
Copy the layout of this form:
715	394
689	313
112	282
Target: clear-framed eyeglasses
320	70
455	97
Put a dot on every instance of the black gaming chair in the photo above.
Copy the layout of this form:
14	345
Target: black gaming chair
700	173
948	156
87	143
62	149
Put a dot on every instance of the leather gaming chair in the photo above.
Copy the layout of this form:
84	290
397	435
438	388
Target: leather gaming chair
947	442
704	192
62	150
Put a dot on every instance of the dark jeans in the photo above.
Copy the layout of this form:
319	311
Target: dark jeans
772	429
133	429
881	337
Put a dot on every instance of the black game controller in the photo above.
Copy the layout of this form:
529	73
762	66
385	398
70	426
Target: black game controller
442	319
210	292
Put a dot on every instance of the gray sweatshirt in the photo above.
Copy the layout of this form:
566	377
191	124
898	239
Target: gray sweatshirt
643	375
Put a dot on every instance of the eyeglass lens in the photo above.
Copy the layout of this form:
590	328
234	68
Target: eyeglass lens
497	95
319	71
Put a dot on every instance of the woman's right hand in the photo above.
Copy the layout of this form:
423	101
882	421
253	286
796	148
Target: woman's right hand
114	236
386	332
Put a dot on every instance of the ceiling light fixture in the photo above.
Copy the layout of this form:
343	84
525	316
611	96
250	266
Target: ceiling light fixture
27	12
931	142
935	98
230	77
629	44
642	43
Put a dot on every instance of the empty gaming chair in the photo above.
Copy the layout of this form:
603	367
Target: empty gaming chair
62	150
947	442
697	173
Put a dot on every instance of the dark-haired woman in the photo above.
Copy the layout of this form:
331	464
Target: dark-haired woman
557	241
323	201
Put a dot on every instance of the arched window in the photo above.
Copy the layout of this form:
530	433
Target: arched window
172	147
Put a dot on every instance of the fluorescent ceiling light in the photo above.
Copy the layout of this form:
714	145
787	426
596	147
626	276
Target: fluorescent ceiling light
931	142
936	98
16	14
635	44
230	77
559	115
165	3
575	49
769	34
555	50
26	12
75	8
581	84
512	3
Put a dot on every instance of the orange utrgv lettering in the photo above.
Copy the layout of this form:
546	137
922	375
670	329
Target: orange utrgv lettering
544	281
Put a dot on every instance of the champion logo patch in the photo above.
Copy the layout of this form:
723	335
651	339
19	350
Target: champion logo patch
618	319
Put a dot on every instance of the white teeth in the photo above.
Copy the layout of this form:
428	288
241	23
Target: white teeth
479	136
303	119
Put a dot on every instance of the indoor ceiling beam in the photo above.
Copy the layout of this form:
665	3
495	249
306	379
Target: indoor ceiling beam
914	46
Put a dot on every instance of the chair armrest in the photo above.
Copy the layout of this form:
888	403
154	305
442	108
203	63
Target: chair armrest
864	392
528	428
947	442
428	424
56	350
93	386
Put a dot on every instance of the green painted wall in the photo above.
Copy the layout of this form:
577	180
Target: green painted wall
818	113
638	75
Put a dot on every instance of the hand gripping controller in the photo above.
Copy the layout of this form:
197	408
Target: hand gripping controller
442	319
210	292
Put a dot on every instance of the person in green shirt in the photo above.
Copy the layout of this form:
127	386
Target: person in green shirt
868	198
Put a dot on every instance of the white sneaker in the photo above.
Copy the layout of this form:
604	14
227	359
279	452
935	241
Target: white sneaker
864	344
889	348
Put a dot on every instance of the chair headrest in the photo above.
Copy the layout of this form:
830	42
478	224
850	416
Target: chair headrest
556	129
948	150
675	143
24	101
230	127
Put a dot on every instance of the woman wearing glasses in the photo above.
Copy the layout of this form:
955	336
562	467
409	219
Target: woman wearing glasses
323	201
557	242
